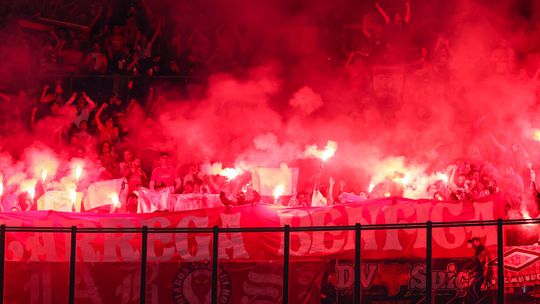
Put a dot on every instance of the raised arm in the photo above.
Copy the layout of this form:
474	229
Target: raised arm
33	118
156	33
382	12
407	11
131	106
533	177
96	18
225	200
365	30
91	103
212	184
177	184
71	99
44	94
330	195
451	184
350	59
132	64
97	118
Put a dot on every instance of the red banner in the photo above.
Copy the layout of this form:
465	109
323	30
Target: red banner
250	264
166	283
163	247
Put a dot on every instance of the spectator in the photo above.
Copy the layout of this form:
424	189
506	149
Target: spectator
164	175
131	31
85	139
136	176
189	187
241	199
56	95
47	58
96	61
397	31
107	132
84	106
442	53
72	58
115	106
108	158
456	184
116	44
100	172
192	175
422	66
127	161
134	66
503	58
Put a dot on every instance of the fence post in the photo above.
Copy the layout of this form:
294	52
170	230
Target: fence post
144	254
286	252
215	244
429	263
72	260
500	262
357	263
2	257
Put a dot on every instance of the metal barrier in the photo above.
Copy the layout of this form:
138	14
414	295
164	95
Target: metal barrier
286	230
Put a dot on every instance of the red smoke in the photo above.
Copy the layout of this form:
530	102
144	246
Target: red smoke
290	95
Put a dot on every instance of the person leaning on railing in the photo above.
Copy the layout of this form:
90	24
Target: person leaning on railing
241	198
534	188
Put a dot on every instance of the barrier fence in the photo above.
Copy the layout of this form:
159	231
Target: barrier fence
286	230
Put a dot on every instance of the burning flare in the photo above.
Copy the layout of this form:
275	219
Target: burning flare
442	177
371	186
328	152
77	172
114	199
536	134
278	191
217	169
29	186
43	174
230	173
72	196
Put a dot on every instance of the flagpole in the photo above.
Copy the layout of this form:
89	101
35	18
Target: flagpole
318	178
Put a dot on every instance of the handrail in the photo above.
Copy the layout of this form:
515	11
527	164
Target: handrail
286	230
365	227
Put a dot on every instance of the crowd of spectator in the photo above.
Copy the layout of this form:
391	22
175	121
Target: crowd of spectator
130	41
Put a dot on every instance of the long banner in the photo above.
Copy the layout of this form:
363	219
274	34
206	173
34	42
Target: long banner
163	247
250	264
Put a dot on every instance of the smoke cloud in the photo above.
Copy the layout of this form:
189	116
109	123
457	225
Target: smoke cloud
475	101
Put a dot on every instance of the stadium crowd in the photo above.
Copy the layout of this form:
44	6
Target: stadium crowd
130	40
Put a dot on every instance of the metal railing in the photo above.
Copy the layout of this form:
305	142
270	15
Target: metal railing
286	230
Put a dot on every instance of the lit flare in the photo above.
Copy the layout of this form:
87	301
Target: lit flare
230	173
325	154
114	199
77	172
29	186
44	174
442	176
536	134
278	191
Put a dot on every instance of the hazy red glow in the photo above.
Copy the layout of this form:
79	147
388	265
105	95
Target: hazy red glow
273	111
